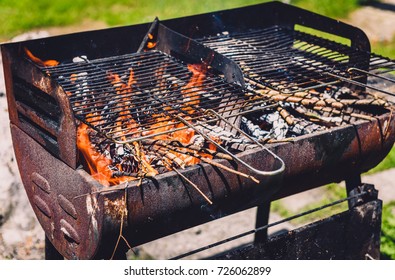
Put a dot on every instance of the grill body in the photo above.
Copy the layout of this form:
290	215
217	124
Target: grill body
82	218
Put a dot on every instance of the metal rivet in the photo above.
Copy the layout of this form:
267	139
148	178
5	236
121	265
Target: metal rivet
69	231
41	182
42	206
67	206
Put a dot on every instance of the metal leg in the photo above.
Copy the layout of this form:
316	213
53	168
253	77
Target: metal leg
50	251
352	184
262	219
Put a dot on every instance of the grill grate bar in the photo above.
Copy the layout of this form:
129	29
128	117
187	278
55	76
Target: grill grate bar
289	61
143	94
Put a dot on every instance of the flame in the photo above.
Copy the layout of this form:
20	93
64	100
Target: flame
190	94
151	44
38	61
184	136
97	163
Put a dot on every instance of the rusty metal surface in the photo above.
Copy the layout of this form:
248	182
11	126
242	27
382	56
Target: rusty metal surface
72	223
351	235
87	226
31	121
83	221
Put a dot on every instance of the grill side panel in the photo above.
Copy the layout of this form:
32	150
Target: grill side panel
39	107
60	197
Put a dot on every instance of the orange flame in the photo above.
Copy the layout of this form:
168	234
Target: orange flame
151	44
190	92
98	163
184	136
38	61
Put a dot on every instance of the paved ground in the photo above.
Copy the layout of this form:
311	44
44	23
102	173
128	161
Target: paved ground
21	237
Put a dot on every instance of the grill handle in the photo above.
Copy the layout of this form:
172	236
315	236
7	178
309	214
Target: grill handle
291	16
277	171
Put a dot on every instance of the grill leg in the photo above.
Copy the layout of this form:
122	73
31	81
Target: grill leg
50	251
352	184
262	219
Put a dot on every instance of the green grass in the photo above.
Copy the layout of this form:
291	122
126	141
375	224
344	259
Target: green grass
388	232
330	8
387	163
23	15
386	49
333	192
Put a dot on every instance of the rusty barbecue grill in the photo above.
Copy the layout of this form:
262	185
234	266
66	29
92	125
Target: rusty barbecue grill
189	120
147	98
302	61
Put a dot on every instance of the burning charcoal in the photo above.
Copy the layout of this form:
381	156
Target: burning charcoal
227	138
197	140
279	128
120	150
252	129
303	127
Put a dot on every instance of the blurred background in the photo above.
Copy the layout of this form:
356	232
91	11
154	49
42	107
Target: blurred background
20	235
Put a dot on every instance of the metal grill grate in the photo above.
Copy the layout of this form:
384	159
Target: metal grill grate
132	97
288	60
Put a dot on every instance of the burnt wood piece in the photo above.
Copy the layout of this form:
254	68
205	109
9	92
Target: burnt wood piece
354	234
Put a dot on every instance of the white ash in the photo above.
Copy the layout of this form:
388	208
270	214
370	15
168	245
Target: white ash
252	129
197	140
226	137
82	58
279	126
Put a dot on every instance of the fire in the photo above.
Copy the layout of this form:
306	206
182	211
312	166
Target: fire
101	167
189	92
40	62
184	136
97	163
151	44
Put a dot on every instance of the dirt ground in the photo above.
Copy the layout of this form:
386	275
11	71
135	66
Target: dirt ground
21	237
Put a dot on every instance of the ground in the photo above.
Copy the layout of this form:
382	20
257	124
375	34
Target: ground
21	237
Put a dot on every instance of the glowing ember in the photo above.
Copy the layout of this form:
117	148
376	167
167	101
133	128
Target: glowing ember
151	45
40	62
97	163
112	164
191	97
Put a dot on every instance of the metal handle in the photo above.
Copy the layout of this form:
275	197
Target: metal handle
235	158
351	69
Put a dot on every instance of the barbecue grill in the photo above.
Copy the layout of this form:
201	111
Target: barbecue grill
227	80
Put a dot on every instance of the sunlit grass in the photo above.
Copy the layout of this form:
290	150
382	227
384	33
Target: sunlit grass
387	246
23	15
329	8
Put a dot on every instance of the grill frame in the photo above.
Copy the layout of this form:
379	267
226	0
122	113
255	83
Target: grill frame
334	156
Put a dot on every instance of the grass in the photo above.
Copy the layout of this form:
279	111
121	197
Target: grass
335	192
332	192
386	49
387	163
23	15
388	232
330	8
